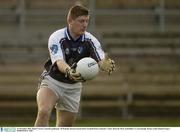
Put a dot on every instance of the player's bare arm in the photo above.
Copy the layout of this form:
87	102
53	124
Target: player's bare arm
68	71
62	66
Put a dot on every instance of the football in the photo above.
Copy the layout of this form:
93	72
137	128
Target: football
88	68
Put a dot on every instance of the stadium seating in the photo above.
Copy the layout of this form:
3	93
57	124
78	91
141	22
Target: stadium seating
147	76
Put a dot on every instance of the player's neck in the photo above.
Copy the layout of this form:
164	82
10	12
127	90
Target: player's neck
73	35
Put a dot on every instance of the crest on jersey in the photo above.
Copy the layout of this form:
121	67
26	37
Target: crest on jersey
80	50
54	49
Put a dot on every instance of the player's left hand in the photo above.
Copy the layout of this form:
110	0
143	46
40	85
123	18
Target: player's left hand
108	65
73	75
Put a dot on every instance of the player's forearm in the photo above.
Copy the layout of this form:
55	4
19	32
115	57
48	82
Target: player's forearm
100	63
62	66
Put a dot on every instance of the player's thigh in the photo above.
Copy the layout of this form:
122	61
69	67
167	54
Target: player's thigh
65	118
46	98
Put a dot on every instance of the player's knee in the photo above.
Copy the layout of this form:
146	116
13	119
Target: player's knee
44	114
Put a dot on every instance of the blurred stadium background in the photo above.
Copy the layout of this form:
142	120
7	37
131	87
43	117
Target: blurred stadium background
143	36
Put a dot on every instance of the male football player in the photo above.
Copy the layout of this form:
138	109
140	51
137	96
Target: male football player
60	84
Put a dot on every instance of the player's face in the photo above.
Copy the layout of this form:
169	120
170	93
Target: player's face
79	25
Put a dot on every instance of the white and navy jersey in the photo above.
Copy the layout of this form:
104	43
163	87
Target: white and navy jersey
62	46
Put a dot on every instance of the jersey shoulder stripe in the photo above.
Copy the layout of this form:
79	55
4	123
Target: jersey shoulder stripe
96	45
58	35
89	36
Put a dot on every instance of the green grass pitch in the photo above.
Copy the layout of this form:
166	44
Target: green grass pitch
101	123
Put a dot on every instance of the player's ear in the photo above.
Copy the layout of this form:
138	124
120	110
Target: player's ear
69	20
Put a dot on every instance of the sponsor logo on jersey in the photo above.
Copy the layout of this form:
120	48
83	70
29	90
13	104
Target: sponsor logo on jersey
67	52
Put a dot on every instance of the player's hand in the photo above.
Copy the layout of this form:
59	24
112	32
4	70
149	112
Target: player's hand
73	75
108	65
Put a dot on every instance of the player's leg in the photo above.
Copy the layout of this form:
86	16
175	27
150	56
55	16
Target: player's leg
67	107
65	118
46	100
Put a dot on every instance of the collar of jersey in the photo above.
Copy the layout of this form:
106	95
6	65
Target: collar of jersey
67	34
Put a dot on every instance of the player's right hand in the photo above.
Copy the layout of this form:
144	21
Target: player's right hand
73	75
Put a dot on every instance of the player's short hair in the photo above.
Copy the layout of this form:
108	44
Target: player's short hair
77	10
